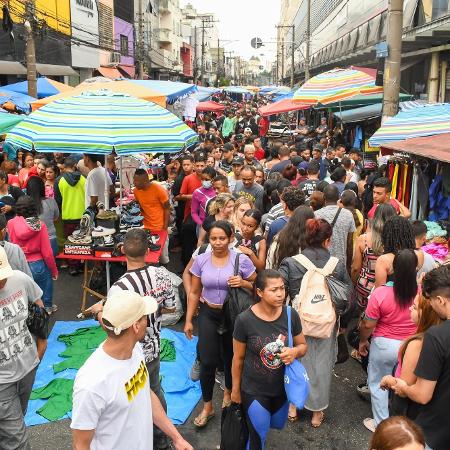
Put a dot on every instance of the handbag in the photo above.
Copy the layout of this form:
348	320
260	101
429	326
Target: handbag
37	320
340	293
234	431
296	381
237	300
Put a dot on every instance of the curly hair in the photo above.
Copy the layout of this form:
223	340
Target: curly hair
397	235
292	236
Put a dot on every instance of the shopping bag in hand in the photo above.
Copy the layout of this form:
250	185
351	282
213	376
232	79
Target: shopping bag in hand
296	381
234	432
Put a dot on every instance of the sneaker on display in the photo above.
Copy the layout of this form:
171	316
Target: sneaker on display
101	231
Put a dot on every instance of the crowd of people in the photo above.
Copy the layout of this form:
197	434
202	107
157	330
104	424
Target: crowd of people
272	220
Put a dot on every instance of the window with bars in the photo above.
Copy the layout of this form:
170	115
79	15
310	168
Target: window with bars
123	45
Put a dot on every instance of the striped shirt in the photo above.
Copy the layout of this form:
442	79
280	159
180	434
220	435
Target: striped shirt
154	282
275	213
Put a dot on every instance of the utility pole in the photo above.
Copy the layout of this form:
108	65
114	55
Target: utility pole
393	60
282	60
218	61
292	56
202	69
141	41
31	49
308	38
195	56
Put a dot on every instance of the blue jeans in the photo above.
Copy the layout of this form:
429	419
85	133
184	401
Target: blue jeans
382	358
43	278
54	245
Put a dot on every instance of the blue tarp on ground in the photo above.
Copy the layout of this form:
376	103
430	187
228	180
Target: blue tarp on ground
181	393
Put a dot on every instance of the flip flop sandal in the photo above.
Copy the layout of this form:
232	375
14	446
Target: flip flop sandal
201	421
226	403
322	418
293	419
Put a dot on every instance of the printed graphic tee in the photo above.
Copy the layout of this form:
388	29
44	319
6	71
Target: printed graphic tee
263	369
18	354
112	397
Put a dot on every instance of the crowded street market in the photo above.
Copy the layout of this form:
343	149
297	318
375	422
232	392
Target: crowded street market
220	260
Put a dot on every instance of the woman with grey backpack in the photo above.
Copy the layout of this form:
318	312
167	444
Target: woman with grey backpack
305	280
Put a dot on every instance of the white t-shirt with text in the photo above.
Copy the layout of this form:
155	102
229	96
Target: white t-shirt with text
112	397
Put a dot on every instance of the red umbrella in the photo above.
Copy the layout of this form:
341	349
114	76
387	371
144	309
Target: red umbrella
210	106
281	107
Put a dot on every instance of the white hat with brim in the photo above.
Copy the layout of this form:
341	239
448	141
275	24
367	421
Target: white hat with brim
5	268
124	308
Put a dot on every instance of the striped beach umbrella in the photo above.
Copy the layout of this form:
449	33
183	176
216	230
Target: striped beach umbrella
336	85
423	120
99	122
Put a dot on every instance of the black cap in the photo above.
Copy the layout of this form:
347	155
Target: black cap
228	147
296	160
237	161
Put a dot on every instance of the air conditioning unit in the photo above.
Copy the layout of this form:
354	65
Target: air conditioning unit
114	58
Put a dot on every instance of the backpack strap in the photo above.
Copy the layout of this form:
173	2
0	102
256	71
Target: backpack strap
336	217
290	343
304	261
236	264
330	266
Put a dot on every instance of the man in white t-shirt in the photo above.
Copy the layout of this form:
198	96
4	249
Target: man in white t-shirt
113	406
95	182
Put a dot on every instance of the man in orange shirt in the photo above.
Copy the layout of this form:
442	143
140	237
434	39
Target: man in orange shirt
155	206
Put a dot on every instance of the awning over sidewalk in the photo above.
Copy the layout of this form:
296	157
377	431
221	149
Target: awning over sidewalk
12	68
130	71
110	72
434	147
53	70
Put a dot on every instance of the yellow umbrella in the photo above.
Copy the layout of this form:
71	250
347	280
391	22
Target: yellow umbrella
120	86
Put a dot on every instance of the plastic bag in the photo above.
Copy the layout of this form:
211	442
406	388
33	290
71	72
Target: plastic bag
340	293
296	381
234	432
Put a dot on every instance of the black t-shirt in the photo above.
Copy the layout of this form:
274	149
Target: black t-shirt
434	365
14	193
176	188
308	187
263	370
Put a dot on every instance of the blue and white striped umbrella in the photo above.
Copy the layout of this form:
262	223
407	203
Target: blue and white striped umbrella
99	122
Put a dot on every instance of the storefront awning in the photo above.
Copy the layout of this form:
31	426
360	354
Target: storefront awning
110	72
130	71
12	68
362	36
374	29
53	70
434	147
353	39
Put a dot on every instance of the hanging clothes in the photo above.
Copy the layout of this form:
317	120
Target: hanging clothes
407	196
395	181
401	169
413	201
358	137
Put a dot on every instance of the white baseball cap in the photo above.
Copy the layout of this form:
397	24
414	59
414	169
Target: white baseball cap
123	309
5	268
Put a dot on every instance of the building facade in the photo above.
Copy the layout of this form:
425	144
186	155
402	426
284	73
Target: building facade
344	33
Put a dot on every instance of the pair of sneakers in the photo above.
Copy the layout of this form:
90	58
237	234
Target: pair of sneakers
83	234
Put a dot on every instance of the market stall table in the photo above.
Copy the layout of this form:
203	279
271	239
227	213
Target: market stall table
151	258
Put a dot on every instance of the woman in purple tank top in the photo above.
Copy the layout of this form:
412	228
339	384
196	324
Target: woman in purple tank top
212	276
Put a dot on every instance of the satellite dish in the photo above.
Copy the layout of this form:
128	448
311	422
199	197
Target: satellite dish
256	42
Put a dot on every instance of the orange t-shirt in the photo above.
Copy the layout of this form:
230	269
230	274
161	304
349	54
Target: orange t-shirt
189	185
151	201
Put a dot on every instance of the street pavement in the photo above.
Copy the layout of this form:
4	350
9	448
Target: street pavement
341	430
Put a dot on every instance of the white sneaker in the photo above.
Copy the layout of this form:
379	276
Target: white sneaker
369	423
101	231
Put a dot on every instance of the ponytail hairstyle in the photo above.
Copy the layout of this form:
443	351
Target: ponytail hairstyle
219	202
317	232
348	200
405	277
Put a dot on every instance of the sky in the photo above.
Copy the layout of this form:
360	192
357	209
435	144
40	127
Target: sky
242	20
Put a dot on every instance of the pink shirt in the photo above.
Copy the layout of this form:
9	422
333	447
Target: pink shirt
198	206
393	322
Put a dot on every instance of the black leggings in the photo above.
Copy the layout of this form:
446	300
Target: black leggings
261	414
211	346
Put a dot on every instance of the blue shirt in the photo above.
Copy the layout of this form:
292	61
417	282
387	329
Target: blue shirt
275	227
